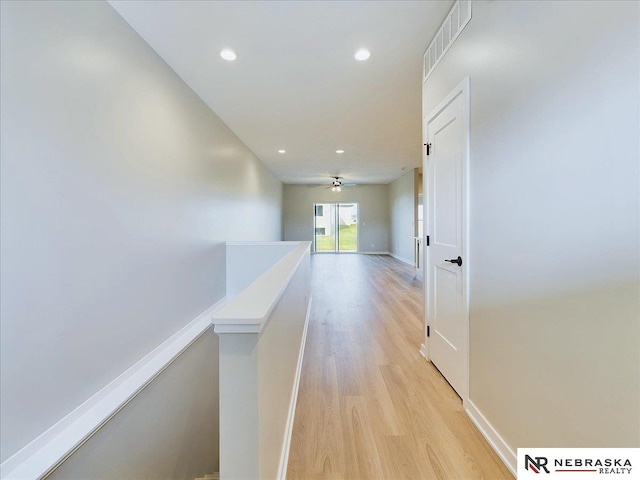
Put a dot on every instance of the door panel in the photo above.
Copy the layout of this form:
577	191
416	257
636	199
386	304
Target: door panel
446	311
325	227
445	300
445	183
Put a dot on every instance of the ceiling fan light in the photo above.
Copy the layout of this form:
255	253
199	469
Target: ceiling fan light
228	55
362	54
338	188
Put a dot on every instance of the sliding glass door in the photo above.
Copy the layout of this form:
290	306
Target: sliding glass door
325	227
347	227
335	227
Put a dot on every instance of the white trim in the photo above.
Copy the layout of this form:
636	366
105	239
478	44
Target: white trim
402	259
53	446
502	448
424	352
286	443
462	89
268	244
241	328
251	309
352	253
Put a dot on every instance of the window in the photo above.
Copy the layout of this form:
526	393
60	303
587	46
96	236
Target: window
321	231
319	211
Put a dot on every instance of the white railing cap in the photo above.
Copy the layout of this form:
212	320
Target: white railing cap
249	311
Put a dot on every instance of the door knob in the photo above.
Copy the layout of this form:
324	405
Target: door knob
456	260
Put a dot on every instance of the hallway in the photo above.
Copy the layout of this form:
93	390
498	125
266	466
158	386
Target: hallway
369	406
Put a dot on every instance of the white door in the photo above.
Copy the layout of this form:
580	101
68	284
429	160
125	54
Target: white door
446	296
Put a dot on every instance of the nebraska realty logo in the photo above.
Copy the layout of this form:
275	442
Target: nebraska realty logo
582	463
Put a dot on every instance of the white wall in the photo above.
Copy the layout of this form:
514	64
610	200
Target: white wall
373	217
246	261
402	217
554	347
119	188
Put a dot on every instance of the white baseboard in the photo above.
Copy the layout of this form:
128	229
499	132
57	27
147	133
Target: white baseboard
276	243
286	444
504	451
402	259
361	253
423	351
53	446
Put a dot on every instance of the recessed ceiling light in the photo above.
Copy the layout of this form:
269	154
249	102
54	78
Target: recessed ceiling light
362	54
282	151
228	54
339	151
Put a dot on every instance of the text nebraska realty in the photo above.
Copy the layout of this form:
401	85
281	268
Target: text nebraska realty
617	466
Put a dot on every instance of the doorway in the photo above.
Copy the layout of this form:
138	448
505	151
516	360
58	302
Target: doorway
447	259
335	227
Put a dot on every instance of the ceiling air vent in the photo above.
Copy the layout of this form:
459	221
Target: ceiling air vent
455	21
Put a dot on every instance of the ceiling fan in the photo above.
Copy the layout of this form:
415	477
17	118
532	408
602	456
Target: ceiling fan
337	184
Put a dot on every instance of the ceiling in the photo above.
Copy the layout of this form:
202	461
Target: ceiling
296	85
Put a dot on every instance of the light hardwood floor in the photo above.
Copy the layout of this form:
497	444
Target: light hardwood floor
369	406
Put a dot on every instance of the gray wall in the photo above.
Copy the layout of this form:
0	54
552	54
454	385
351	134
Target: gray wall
169	431
402	216
373	221
119	187
555	310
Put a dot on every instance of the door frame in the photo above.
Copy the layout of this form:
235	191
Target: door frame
462	89
337	224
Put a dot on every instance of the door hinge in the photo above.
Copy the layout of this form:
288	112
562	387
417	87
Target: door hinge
428	145
428	331
427	240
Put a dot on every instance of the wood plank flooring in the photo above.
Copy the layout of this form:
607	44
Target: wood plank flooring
369	406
